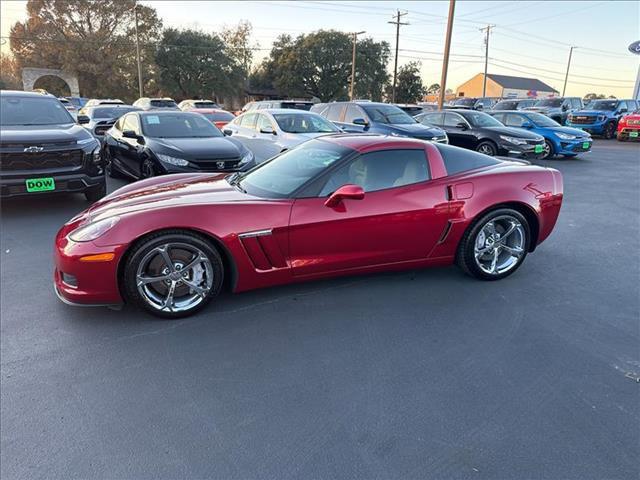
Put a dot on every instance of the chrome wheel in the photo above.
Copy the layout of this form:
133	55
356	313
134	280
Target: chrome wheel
548	152
499	245
487	149
174	277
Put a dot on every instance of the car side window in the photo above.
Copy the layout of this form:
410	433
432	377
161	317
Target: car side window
501	117
514	120
249	120
118	125
263	122
353	112
131	123
433	118
380	170
622	105
452	119
334	111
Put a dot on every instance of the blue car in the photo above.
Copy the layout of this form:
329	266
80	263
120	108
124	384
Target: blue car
601	117
382	118
558	140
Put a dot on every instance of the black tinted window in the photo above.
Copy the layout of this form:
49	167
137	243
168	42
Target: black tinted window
297	105
32	111
110	112
381	170
459	160
163	103
178	125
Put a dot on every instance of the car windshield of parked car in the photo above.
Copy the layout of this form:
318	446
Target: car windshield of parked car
480	119
280	177
110	112
542	120
297	105
32	111
506	105
388	114
178	125
205	104
549	102
163	103
219	116
303	123
464	102
603	105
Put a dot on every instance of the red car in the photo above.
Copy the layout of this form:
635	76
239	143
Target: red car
217	116
629	127
332	206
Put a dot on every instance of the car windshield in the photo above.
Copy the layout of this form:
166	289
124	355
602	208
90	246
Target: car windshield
603	105
542	120
32	111
389	114
111	112
219	116
304	123
283	175
465	102
506	105
178	125
297	105
549	102
163	103
205	104
480	119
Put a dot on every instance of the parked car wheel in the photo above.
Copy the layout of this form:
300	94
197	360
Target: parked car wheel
549	151
173	274
610	130
488	148
148	169
94	194
495	245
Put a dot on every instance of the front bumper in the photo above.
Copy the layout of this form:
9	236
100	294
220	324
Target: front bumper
14	186
573	147
631	132
593	128
521	151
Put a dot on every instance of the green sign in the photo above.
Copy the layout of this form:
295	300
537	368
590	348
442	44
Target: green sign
585	145
538	149
40	184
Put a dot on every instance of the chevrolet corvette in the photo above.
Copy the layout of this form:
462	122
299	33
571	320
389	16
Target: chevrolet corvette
336	205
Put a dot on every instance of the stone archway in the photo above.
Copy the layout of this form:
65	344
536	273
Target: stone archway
31	75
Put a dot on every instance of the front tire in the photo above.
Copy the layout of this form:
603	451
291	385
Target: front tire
488	148
610	130
173	274
495	245
549	151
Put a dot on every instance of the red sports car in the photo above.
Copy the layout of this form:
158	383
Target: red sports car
332	206
629	127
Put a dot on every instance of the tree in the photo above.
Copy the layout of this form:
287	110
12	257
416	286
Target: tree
319	65
434	88
240	48
97	42
9	73
193	63
409	88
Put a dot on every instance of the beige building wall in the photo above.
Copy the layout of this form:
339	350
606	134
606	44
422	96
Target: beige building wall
473	88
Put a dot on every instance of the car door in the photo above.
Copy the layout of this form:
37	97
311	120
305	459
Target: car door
130	148
265	145
458	135
400	218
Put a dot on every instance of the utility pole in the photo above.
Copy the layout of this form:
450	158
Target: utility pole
486	58
353	64
135	11
566	77
447	47
397	23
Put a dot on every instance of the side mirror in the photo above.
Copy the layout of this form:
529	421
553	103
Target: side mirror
462	126
480	107
133	135
226	132
360	121
527	125
82	119
268	130
623	110
352	192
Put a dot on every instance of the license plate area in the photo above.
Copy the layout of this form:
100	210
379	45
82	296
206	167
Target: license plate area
45	184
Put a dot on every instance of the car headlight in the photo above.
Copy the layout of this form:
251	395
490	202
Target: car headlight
514	140
565	136
93	230
178	162
247	157
602	118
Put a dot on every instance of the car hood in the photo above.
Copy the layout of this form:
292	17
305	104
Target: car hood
193	148
43	134
417	129
569	131
169	191
591	112
514	132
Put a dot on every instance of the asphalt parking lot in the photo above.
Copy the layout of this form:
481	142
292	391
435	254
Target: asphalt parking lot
421	374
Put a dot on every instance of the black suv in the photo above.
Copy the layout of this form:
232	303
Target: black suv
42	149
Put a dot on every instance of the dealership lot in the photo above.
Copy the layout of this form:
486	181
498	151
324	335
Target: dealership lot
418	374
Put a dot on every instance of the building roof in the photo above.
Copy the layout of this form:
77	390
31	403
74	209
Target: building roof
520	83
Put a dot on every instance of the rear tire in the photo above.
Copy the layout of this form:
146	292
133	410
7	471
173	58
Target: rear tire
183	288
495	245
488	148
94	194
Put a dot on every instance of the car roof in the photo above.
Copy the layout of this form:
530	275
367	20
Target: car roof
294	111
362	142
209	110
22	93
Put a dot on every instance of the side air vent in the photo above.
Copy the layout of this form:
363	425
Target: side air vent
262	249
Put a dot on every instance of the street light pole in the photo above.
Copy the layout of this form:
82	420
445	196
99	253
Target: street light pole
397	23
140	90
566	77
447	47
353	64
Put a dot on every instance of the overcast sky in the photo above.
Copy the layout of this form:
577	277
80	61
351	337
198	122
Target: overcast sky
530	39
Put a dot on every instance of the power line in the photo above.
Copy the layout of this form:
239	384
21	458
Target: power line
397	23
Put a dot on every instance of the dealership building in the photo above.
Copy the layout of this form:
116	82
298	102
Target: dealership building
505	86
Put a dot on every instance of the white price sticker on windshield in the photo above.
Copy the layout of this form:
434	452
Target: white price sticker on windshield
153	120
